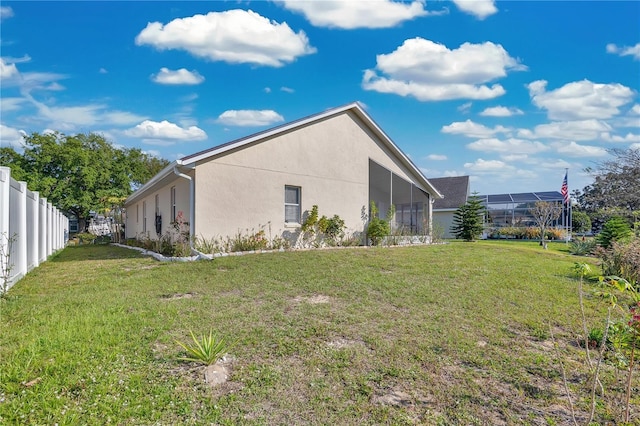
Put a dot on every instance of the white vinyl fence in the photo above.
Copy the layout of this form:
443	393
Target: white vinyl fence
31	229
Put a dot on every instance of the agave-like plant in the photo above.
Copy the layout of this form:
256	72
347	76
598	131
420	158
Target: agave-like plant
206	350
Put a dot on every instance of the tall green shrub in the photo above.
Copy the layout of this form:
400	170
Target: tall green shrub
616	229
378	228
468	219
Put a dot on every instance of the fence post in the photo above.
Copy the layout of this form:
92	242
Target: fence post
19	229
33	228
5	188
42	236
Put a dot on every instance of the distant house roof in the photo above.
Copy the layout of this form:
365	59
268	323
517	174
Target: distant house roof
455	190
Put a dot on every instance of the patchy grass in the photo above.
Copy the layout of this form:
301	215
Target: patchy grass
444	334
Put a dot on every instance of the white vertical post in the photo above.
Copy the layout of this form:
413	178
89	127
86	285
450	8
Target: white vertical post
5	188
20	243
42	235
49	228
33	229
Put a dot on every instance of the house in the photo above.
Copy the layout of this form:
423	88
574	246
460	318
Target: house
456	191
339	160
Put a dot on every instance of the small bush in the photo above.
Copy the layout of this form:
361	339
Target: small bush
616	229
582	248
621	259
207	350
250	241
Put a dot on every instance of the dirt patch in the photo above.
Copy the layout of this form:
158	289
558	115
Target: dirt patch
140	268
176	296
312	300
345	343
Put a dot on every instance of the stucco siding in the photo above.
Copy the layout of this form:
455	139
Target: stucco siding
135	218
329	160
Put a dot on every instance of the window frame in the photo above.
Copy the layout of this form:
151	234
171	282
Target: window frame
144	216
173	203
298	190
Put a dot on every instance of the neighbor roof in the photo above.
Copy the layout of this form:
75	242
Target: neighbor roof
191	160
455	190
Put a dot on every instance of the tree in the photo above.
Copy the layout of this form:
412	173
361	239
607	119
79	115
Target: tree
580	222
544	214
616	229
468	219
79	173
616	183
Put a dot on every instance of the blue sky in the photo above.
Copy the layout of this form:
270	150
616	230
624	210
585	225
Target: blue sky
510	93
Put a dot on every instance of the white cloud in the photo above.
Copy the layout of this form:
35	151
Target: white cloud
430	71
165	131
70	118
234	36
286	89
8	70
249	118
10	137
511	145
478	8
181	76
436	157
573	149
501	111
488	166
629	137
635	146
267	90
5	12
580	99
582	130
465	107
472	129
625	50
357	14
103	71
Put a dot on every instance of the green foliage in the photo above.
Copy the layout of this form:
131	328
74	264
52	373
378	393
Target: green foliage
207	350
249	241
79	173
616	229
621	259
582	248
468	219
616	183
377	228
323	230
580	221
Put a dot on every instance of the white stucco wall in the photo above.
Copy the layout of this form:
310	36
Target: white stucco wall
329	160
134	217
444	219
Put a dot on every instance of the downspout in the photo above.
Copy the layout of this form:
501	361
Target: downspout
192	204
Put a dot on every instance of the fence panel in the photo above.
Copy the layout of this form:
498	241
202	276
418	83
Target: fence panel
31	229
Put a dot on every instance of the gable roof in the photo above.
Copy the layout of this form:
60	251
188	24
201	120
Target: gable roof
190	160
455	190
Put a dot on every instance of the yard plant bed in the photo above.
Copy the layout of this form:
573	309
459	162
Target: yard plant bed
457	333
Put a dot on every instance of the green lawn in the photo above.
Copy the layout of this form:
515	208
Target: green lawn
444	334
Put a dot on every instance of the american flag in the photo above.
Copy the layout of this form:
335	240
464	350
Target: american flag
565	189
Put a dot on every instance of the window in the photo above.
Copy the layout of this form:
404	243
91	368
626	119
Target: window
173	204
157	205
137	213
292	204
144	216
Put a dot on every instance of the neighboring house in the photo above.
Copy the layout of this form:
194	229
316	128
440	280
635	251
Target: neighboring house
455	191
339	160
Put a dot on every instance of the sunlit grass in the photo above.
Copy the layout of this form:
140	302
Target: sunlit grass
460	331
